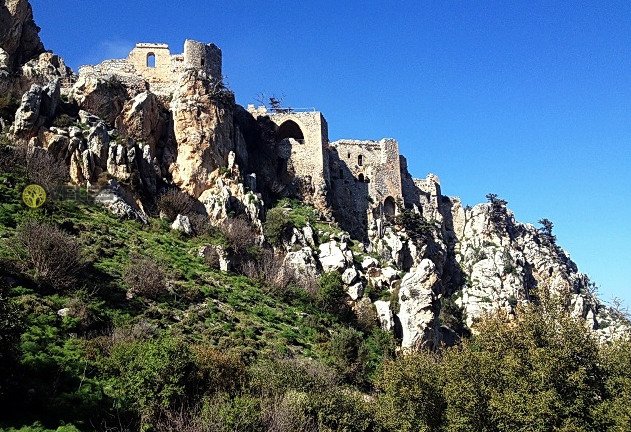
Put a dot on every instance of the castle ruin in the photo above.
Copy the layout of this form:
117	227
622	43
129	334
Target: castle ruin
154	64
362	183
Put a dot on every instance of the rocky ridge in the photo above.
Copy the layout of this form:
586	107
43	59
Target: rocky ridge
428	273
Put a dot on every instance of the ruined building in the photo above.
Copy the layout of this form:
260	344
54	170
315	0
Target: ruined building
154	64
360	183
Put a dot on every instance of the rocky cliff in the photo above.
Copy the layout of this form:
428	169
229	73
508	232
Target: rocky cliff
428	269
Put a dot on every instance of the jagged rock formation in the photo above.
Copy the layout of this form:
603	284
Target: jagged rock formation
429	267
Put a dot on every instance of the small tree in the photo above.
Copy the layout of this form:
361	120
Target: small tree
52	256
240	234
546	228
331	295
145	277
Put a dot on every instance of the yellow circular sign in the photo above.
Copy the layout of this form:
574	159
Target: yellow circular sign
34	196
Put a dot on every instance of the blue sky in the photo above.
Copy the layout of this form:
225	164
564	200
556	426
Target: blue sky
527	99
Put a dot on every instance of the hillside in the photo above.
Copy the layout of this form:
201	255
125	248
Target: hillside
197	265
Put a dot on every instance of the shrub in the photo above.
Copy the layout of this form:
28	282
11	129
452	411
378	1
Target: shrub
240	235
414	224
145	277
225	414
148	376
43	169
52	256
277	223
331	295
268	269
64	121
410	397
8	106
218	371
174	202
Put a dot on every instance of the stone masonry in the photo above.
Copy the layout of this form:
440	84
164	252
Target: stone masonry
155	64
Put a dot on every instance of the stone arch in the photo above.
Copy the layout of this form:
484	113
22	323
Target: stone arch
151	60
290	129
361	178
389	207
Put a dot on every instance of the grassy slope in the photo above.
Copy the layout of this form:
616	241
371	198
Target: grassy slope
226	311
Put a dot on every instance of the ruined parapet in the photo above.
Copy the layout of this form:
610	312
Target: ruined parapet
375	163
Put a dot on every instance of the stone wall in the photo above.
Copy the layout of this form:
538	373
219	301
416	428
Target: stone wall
155	64
206	57
303	145
366	181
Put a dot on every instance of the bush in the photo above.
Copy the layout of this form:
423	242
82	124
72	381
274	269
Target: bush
331	295
225	414
268	269
218	371
288	214
52	256
410	397
277	223
64	121
414	224
145	277
174	202
43	169
240	235
148	376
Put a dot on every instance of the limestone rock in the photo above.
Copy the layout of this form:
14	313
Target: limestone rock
141	120
331	257
418	296
203	130
384	313
182	224
356	291
349	276
369	262
304	264
38	105
103	97
19	35
120	202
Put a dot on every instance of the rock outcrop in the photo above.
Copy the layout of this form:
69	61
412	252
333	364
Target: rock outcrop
203	132
420	263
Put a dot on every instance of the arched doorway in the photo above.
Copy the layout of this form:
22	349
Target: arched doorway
389	207
290	129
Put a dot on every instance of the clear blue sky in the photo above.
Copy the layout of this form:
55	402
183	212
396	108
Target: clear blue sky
527	99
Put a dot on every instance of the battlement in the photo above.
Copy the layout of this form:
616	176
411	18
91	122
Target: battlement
154	63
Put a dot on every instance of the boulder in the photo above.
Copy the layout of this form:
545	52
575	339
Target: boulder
384	313
120	202
331	257
182	224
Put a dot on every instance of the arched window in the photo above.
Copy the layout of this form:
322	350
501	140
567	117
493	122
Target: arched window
360	160
203	62
290	129
360	178
389	207
151	60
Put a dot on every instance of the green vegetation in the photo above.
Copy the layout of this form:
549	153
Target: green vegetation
111	325
286	215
